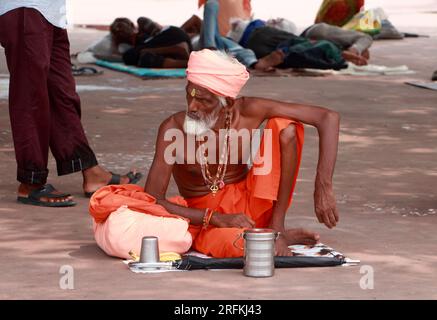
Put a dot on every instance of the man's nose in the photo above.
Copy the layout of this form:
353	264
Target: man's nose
193	106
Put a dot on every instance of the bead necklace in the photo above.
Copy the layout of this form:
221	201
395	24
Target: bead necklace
216	183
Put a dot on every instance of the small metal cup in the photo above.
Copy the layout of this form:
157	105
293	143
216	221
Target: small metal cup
149	250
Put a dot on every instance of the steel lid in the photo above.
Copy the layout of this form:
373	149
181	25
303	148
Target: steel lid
260	234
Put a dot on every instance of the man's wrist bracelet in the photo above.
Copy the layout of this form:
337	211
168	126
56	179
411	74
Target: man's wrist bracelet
207	218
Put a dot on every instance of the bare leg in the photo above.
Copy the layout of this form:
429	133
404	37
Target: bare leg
93	179
97	177
270	61
192	26
288	142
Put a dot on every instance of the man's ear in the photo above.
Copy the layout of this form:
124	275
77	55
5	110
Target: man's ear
230	102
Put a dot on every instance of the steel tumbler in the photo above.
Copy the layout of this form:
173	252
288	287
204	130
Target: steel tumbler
149	250
259	252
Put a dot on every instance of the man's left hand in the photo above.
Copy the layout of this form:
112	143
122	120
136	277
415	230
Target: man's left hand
325	204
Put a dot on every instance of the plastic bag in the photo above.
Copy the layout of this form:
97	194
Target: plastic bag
367	21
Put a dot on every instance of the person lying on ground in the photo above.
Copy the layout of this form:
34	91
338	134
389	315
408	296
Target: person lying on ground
298	52
264	39
159	47
123	36
241	29
355	45
223	193
111	47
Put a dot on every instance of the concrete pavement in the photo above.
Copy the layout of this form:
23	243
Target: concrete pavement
385	182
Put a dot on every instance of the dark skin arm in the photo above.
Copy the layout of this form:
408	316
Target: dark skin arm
157	184
327	124
192	26
178	51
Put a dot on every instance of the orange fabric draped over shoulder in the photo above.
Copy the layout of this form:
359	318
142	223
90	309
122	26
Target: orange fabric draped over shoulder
253	196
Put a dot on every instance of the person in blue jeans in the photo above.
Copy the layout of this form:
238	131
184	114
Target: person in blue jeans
212	39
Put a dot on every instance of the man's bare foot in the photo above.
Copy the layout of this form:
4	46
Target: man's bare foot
97	177
270	61
366	54
53	197
300	236
354	58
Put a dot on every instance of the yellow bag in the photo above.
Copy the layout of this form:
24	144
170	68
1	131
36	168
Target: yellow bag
367	21
164	256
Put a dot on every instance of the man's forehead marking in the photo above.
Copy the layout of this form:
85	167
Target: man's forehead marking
194	90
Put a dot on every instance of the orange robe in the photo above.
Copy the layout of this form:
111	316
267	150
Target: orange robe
253	196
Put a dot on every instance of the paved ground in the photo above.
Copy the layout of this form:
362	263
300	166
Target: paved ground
385	183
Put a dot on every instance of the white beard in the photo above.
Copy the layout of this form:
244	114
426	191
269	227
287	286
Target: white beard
199	127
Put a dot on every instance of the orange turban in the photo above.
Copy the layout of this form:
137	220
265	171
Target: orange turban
222	75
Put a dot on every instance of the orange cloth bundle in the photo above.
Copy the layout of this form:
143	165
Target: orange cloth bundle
109	198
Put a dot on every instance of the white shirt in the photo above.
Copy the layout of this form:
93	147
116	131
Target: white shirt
53	10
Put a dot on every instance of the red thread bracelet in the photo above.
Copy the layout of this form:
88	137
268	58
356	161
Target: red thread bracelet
207	217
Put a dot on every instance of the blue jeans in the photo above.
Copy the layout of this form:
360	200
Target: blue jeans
211	38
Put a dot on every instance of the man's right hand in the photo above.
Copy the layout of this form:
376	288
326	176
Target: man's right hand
231	220
325	204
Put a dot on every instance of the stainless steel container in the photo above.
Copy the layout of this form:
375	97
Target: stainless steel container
149	250
259	252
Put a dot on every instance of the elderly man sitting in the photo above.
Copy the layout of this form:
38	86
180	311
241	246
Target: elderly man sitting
222	193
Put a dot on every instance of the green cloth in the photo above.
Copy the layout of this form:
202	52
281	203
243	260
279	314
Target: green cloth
143	72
